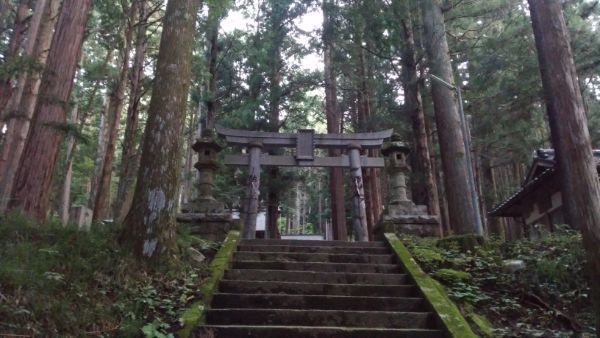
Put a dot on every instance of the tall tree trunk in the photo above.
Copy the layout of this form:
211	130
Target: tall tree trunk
461	208
278	13
570	136
150	224
19	122
29	50
31	190
102	203
12	52
363	117
188	168
65	196
212	35
336	175
495	225
129	157
100	153
427	186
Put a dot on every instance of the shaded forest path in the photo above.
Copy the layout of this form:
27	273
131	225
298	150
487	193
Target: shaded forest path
293	288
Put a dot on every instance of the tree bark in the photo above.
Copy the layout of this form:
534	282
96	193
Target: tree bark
495	225
65	196
31	190
461	208
277	17
188	168
336	175
363	117
150	225
102	203
100	154
6	86
426	187
569	129
32	33
129	156
212	34
19	123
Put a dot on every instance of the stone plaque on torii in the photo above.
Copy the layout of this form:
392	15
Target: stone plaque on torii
304	142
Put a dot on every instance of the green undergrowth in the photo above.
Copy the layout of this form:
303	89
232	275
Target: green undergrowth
549	297
58	281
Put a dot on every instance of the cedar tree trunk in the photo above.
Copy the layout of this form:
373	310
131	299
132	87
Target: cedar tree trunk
570	136
454	161
31	189
150	225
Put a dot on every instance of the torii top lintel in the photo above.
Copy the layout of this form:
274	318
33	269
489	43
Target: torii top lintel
290	140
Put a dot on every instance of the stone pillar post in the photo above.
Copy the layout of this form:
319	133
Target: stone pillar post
252	190
360	212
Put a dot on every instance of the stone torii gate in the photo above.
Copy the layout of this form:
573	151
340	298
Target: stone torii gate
304	142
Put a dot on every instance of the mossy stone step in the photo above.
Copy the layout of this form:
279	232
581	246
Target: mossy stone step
313	257
318	302
316	249
312	243
245	331
317	277
316	266
295	288
405	320
289	288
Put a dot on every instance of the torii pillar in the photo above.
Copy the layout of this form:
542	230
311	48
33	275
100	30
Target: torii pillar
252	190
360	211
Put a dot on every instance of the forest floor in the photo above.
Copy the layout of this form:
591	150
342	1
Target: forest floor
548	297
58	281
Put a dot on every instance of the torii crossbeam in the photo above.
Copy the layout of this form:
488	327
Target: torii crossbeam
305	142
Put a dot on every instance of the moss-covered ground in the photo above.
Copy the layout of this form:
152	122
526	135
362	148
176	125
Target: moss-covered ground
548	298
57	281
445	309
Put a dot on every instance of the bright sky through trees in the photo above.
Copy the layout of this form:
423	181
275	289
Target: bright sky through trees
310	23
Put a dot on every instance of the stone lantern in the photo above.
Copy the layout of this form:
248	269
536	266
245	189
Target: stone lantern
397	167
205	215
402	214
207	149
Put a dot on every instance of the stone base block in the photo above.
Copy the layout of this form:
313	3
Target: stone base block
212	227
403	208
206	206
417	225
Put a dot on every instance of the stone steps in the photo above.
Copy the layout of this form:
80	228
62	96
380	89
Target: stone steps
316	276
293	288
294	242
318	302
316	266
292	317
241	331
314	257
316	249
290	288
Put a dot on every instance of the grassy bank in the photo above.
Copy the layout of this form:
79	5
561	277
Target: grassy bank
547	297
58	281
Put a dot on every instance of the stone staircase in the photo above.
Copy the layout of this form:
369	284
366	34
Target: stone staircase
289	289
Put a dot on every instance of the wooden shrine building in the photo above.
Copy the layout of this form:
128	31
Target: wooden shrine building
539	201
